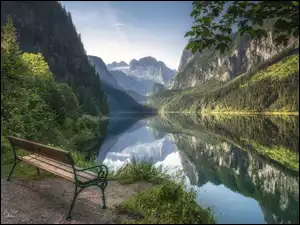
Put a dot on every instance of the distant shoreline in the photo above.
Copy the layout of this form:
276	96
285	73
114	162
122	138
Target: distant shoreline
241	113
253	113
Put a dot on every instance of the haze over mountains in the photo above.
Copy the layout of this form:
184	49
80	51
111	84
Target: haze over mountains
142	76
119	99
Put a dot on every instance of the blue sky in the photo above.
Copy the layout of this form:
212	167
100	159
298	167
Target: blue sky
118	31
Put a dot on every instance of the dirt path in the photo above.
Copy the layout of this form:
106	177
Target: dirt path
48	201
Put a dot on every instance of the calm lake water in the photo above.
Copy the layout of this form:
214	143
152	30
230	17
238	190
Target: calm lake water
222	158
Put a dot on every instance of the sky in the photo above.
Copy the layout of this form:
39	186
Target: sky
122	31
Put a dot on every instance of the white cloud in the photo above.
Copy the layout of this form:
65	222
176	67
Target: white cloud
118	25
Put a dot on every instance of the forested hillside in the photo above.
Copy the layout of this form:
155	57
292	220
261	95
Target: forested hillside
272	87
49	91
47	28
253	69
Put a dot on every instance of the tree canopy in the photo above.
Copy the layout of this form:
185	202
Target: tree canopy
36	107
51	32
214	22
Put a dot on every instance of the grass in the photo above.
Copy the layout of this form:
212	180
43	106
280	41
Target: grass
23	170
137	171
167	202
279	70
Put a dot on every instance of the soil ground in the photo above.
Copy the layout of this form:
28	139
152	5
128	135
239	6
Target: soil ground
48	201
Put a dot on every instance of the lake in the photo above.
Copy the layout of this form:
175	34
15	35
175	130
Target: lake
245	168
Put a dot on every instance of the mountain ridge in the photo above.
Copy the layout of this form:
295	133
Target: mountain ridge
119	100
147	68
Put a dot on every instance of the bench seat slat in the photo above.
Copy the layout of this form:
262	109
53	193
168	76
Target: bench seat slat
57	168
49	168
63	166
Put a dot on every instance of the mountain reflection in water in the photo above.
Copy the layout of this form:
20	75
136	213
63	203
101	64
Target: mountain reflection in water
223	158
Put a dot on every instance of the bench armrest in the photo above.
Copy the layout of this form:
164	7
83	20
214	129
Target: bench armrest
102	171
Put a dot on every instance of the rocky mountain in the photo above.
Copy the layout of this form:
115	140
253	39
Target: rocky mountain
140	86
101	69
119	100
256	76
245	53
115	65
147	68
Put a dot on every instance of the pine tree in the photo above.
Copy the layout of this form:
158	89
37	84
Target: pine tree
11	66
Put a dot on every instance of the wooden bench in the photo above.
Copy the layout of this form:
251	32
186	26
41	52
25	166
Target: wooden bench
60	163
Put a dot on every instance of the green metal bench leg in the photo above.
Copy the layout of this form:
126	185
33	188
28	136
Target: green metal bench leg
103	198
12	170
72	205
73	202
38	171
102	186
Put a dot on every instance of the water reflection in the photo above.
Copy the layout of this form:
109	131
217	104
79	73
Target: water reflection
224	159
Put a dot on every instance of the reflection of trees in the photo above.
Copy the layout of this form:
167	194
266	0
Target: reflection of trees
213	145
275	138
275	190
267	131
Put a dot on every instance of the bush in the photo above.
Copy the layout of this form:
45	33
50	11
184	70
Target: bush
140	171
167	203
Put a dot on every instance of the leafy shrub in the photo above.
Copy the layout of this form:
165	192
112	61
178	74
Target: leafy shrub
167	203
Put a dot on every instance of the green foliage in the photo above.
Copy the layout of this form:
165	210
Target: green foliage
140	171
11	65
62	100
214	20
273	138
271	87
36	66
280	70
167	203
51	32
37	108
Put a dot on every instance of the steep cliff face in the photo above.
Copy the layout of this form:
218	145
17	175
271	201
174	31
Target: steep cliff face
244	54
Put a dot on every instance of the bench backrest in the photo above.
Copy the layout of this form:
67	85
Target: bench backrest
44	150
